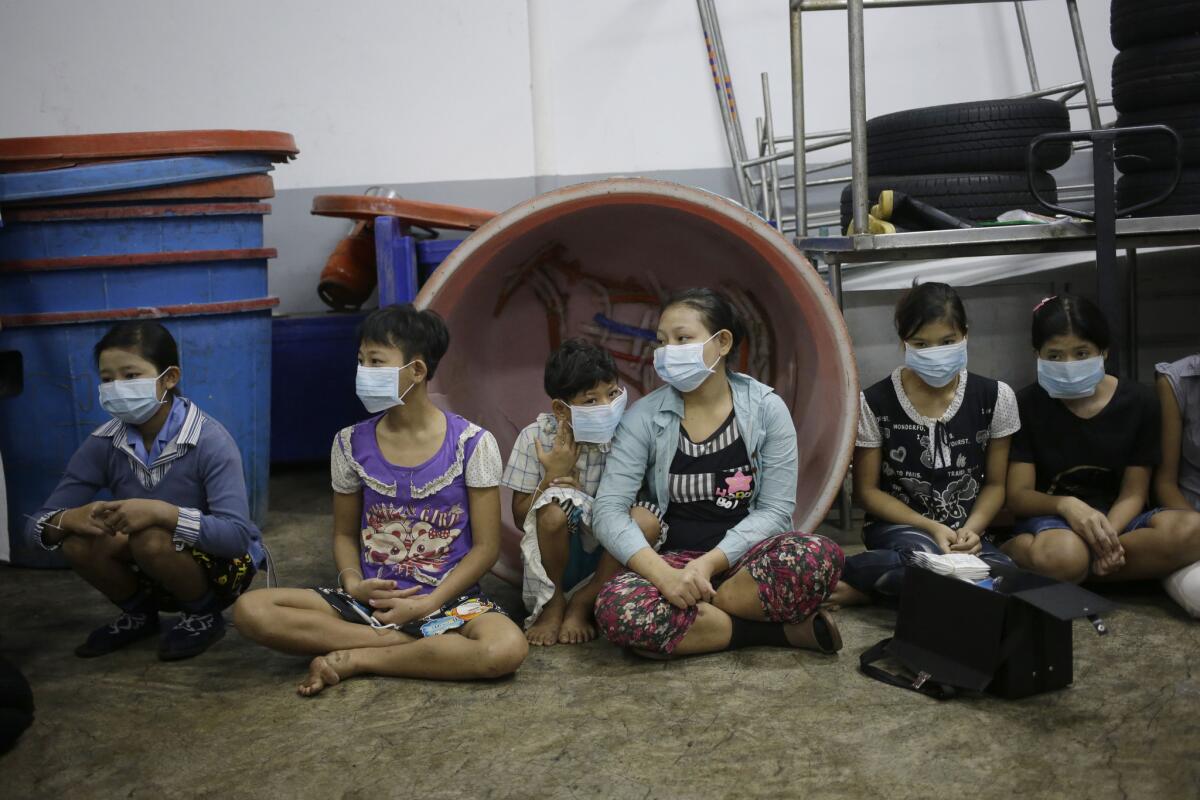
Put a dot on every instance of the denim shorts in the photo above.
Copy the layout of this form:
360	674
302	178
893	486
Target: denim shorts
1036	525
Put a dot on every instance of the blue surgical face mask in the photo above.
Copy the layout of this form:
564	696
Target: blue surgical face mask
597	424
379	387
937	366
682	365
1071	380
133	402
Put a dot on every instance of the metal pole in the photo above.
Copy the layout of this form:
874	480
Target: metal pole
762	171
800	164
1131	341
858	115
737	149
1026	45
835	281
1085	69
769	131
1111	281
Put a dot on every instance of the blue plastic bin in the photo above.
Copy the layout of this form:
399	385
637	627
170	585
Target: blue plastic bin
225	350
206	276
313	362
66	233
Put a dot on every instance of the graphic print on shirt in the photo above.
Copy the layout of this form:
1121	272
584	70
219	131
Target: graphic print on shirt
411	541
738	488
1082	482
947	504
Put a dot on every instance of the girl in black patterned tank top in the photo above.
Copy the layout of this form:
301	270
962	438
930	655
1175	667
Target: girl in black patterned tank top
932	450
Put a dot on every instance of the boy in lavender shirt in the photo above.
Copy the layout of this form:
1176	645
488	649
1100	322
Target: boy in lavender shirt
416	524
177	534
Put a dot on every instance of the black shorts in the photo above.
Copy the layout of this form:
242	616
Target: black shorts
452	615
227	578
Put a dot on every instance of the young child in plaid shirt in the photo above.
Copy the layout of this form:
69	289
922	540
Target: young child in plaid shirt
554	471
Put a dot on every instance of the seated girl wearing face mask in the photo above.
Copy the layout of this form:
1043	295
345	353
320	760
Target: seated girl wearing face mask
554	471
931	453
177	535
1079	480
716	451
416	525
1177	479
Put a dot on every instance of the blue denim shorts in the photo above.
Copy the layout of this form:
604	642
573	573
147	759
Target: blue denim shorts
1036	525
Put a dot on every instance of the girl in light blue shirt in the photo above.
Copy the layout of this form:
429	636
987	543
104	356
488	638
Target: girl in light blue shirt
716	451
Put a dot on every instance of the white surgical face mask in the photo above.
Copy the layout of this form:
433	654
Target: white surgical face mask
597	424
937	366
379	387
682	365
1070	380
134	401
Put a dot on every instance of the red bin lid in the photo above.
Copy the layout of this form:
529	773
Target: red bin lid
53	152
414	212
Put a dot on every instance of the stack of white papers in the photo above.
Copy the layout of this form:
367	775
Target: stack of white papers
958	565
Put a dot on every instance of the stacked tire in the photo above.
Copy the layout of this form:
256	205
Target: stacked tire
1156	80
967	159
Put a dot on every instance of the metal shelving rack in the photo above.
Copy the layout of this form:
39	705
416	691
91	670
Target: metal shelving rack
1116	285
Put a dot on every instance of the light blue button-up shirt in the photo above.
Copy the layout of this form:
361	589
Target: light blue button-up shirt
645	444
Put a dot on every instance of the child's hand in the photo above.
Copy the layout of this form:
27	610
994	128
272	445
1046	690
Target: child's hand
968	542
130	516
559	460
402	607
83	521
367	589
945	537
683	589
1094	528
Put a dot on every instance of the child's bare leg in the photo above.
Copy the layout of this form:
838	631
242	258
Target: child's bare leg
300	622
175	570
1172	541
579	622
489	646
103	561
555	548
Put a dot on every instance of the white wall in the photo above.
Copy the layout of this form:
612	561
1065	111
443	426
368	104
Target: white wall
373	90
486	102
403	91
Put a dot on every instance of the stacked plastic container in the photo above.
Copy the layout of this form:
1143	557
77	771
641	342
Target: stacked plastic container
102	228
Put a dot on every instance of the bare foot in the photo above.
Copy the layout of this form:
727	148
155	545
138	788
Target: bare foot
545	631
323	671
845	595
578	624
819	632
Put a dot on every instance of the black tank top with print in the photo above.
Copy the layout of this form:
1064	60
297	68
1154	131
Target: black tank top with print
935	468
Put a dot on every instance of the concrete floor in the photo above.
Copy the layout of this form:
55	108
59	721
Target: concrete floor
584	721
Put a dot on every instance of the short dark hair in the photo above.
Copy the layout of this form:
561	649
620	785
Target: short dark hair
1069	314
145	337
717	312
418	334
576	366
929	302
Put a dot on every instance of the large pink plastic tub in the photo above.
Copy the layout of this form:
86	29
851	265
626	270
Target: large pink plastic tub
632	227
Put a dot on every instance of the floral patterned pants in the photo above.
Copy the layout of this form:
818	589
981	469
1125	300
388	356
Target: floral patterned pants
795	572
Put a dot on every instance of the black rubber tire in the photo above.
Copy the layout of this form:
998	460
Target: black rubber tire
990	136
976	198
1157	148
1144	185
1135	22
1157	75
